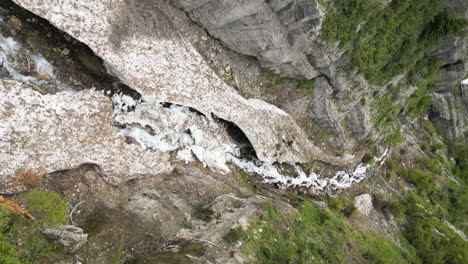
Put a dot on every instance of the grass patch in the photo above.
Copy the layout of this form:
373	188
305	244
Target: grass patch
437	198
272	79
48	206
314	235
306	85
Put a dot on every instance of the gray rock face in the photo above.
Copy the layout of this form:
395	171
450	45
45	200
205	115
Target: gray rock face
71	237
284	37
450	76
325	113
141	47
452	49
450	114
450	104
278	33
460	7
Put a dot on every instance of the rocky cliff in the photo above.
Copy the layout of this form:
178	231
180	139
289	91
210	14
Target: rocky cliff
287	38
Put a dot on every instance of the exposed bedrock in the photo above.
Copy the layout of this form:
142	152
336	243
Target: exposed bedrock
139	44
450	103
284	37
278	33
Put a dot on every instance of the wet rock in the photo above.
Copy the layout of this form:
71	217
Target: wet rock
71	237
363	203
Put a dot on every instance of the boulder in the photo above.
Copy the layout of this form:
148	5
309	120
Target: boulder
363	203
70	236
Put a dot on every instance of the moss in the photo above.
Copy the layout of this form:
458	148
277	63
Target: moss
50	209
47	206
118	256
243	180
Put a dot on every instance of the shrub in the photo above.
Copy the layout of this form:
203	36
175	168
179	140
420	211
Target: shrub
234	235
393	139
369	159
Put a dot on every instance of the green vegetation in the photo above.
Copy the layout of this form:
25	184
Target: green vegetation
118	256
272	79
383	42
369	159
342	205
440	195
394	138
314	235
306	85
49	208
8	252
243	180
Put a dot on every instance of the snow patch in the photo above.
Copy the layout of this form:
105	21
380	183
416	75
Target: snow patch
192	135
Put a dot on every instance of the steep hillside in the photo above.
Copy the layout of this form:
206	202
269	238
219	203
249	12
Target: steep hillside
233	131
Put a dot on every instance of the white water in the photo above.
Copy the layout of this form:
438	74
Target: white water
10	51
193	136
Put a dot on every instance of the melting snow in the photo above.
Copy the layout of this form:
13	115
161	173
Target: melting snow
191	135
43	67
10	51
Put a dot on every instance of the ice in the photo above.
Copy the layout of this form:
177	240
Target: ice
193	135
43	67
